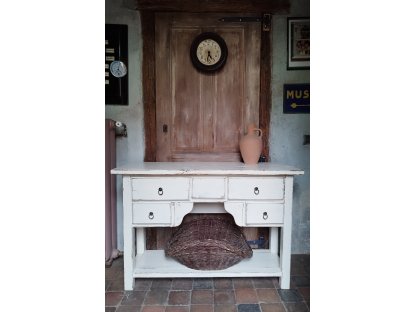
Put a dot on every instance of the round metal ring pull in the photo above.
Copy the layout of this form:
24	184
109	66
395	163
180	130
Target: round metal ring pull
256	190
160	191
151	215
265	216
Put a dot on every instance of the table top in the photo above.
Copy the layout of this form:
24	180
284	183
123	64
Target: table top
205	168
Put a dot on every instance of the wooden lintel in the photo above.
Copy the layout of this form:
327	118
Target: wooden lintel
211	6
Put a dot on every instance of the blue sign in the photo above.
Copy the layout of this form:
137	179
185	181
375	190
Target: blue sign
296	98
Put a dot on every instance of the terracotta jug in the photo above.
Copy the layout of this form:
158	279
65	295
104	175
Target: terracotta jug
251	145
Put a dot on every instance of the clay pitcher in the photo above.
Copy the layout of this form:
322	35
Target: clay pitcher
251	145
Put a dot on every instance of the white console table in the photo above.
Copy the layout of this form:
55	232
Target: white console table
160	194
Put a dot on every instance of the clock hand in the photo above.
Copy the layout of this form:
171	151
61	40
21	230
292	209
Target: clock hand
209	56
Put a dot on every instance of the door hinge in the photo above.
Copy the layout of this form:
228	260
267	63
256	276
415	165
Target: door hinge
265	19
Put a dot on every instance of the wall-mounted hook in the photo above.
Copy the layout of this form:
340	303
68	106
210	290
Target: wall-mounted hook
121	129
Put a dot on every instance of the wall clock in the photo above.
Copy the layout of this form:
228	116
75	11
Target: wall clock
118	69
208	52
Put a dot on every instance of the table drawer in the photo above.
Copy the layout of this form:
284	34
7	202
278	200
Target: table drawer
264	213
208	188
160	188
152	214
255	188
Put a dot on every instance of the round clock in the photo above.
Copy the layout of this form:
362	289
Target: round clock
118	69
208	52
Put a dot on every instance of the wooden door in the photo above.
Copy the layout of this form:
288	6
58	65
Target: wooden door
199	117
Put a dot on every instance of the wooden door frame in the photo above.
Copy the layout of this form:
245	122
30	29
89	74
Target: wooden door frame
147	17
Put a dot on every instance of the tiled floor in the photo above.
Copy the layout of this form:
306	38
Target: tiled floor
209	294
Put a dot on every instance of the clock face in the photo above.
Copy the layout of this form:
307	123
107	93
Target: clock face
118	69
208	52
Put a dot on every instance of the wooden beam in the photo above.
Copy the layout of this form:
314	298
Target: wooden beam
211	6
149	83
265	90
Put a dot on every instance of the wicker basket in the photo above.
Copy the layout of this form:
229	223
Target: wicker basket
208	242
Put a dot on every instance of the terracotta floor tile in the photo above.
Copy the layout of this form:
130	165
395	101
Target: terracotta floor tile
182	283
202	308
246	295
153	309
267	295
296	307
133	298
223	283
305	292
248	308
224	296
272	307
225	308
242	283
209	294
202	296
177	309
289	295
162	283
129	309
142	283
116	285
179	297
113	298
263	282
203	283
113	273
156	297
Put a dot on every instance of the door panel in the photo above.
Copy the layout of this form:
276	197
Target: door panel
204	114
186	105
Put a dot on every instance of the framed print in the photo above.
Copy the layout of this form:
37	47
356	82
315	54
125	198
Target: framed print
298	43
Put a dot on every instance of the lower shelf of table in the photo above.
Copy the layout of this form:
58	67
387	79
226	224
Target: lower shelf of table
154	263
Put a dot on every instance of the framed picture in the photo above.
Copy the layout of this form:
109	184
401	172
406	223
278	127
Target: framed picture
298	43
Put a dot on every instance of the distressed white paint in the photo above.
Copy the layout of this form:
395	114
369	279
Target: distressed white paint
129	255
205	168
154	263
142	208
208	188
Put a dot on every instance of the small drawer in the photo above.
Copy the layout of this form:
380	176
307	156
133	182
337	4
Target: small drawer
160	188
256	188
264	214
152	214
208	188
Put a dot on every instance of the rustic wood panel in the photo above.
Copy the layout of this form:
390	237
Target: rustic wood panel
252	47
204	113
265	90
148	81
211	6
163	88
229	90
187	132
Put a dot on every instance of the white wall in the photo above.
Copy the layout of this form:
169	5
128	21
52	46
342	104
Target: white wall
131	148
286	131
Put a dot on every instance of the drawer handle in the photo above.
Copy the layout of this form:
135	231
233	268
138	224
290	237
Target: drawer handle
151	215
256	190
265	216
160	191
